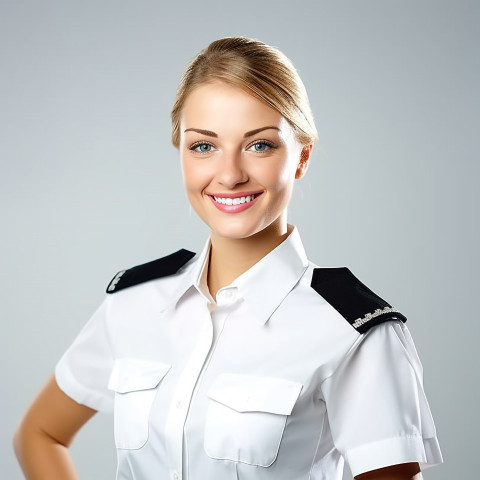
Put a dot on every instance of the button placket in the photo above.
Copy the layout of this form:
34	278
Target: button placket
181	400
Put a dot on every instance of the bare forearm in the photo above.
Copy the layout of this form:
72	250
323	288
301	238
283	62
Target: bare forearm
43	458
45	432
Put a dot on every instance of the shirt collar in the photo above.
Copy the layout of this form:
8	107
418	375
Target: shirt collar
263	286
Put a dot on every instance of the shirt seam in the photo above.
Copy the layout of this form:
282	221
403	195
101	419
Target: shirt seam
317	448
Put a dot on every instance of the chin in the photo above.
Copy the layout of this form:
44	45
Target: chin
234	232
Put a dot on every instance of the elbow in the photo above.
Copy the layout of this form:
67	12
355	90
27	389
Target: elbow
20	440
24	441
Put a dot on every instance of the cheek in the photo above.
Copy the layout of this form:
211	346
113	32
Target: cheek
191	175
280	179
195	181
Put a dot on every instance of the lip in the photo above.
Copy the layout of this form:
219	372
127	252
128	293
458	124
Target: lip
235	208
236	194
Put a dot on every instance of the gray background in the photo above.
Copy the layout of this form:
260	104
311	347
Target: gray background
90	183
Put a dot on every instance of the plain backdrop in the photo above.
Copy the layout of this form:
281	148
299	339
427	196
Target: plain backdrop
90	183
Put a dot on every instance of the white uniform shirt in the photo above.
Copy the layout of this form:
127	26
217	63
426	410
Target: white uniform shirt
269	382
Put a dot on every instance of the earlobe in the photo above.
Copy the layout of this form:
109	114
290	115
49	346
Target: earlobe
304	160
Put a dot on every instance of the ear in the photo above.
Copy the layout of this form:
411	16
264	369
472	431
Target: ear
304	161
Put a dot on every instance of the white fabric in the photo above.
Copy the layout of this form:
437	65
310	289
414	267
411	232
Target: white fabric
269	382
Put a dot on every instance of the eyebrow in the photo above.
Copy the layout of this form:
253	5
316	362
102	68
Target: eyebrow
209	133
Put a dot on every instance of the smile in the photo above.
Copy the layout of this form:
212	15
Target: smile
236	200
235	204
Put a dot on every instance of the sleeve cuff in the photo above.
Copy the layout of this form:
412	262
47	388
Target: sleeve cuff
393	451
71	387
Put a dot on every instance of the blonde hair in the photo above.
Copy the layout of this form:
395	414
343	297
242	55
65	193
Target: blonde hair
257	68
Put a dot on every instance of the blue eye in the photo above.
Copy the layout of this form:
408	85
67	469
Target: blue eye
201	147
262	146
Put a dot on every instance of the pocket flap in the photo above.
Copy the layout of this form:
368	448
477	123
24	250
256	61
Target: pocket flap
132	374
246	393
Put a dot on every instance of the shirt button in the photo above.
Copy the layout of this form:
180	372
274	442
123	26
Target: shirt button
179	404
175	476
228	294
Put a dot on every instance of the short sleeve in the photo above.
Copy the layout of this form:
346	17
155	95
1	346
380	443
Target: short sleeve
376	406
84	369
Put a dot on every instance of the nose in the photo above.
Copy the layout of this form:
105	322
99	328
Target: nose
231	170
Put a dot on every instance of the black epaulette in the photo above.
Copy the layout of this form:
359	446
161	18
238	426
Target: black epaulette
163	267
361	307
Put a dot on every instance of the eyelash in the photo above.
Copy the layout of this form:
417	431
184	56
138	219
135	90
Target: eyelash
257	142
270	145
197	144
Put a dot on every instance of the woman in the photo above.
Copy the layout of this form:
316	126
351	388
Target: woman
246	361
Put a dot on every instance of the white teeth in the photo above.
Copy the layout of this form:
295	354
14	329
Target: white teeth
235	201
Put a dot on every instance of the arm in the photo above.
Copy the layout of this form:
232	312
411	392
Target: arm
45	432
404	471
377	391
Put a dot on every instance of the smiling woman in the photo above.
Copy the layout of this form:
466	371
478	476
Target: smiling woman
246	361
225	161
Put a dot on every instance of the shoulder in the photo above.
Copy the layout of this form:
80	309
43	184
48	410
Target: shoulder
162	267
359	305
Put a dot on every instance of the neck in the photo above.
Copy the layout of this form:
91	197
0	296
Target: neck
230	257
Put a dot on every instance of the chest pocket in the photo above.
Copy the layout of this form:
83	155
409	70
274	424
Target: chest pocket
135	383
246	417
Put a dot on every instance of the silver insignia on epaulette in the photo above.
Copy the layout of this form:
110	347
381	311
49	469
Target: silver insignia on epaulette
115	280
369	316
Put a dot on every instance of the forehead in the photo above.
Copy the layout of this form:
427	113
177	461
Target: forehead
218	106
